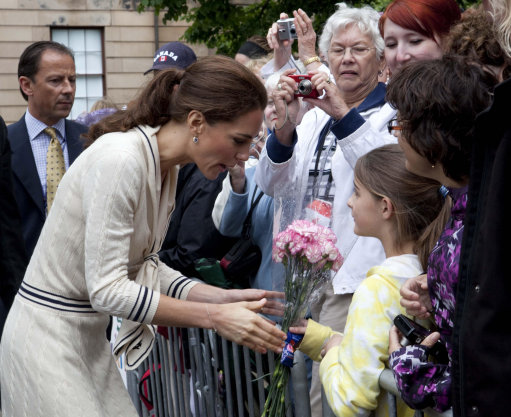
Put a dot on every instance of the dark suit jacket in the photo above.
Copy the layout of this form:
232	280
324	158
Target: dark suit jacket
13	259
27	186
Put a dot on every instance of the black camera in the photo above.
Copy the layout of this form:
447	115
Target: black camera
287	29
414	333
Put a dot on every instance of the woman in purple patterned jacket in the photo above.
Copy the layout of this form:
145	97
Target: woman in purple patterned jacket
437	102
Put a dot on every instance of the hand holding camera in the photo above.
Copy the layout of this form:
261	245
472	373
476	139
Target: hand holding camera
304	86
286	29
283	33
414	333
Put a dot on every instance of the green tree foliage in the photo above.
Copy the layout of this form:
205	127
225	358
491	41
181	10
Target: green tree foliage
225	26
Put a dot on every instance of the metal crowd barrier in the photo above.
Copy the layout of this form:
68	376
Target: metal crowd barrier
196	373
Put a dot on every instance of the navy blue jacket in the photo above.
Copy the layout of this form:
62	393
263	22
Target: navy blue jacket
27	185
13	260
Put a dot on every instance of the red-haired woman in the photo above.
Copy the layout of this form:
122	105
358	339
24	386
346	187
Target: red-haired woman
414	30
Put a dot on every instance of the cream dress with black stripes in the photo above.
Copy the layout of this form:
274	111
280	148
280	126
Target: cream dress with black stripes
111	211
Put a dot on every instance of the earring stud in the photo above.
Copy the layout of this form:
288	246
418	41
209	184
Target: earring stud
195	139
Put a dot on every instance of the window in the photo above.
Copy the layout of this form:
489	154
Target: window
87	45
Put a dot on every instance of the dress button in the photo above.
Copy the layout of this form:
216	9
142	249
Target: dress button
477	288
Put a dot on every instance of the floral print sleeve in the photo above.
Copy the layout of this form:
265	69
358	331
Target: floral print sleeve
421	383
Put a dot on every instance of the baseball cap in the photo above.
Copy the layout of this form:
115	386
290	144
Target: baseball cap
173	55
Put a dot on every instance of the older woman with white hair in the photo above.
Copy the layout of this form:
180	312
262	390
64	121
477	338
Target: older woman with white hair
316	158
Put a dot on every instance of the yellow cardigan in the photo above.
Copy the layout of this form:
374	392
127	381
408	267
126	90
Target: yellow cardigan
350	372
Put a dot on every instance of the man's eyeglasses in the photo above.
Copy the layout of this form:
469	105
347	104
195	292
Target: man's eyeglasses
393	125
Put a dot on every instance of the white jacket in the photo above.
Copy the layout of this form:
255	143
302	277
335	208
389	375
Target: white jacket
360	131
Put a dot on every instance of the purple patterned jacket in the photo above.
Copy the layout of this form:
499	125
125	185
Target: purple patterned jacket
423	383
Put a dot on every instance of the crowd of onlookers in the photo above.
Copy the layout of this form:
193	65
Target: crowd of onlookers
396	139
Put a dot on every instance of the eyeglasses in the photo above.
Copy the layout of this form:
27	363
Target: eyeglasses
259	137
393	125
356	51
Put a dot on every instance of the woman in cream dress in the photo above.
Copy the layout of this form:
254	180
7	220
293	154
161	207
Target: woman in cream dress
97	253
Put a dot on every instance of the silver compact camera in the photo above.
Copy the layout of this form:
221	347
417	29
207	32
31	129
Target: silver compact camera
287	29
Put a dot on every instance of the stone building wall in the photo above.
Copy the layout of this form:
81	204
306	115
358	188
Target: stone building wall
129	42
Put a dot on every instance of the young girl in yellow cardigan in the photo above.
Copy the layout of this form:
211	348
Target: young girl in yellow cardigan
406	213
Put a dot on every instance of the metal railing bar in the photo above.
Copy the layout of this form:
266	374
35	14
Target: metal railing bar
194	343
260	379
157	375
248	381
227	378
301	398
237	377
209	387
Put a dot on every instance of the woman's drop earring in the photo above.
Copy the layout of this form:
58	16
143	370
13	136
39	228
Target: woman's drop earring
195	139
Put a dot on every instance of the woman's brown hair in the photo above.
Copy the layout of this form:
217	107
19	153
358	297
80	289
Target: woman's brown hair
475	38
421	211
217	86
437	102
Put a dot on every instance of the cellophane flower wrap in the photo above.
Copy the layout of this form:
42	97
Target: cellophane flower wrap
309	254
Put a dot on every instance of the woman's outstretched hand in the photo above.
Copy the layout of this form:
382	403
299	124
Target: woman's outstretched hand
274	305
241	323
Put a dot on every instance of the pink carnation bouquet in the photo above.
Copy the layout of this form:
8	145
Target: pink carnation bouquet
309	253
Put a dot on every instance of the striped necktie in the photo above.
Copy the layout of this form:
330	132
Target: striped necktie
55	166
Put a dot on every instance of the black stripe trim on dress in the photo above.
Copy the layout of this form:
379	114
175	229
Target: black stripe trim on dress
150	147
181	290
55	308
168	291
56	305
25	284
120	342
140	356
136	303
142	304
147	307
177	286
135	340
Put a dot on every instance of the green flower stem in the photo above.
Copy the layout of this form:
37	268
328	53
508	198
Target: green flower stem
301	280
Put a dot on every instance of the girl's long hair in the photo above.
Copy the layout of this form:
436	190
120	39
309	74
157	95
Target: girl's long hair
421	211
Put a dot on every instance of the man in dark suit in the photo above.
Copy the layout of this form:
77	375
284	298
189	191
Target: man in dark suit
13	259
47	79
